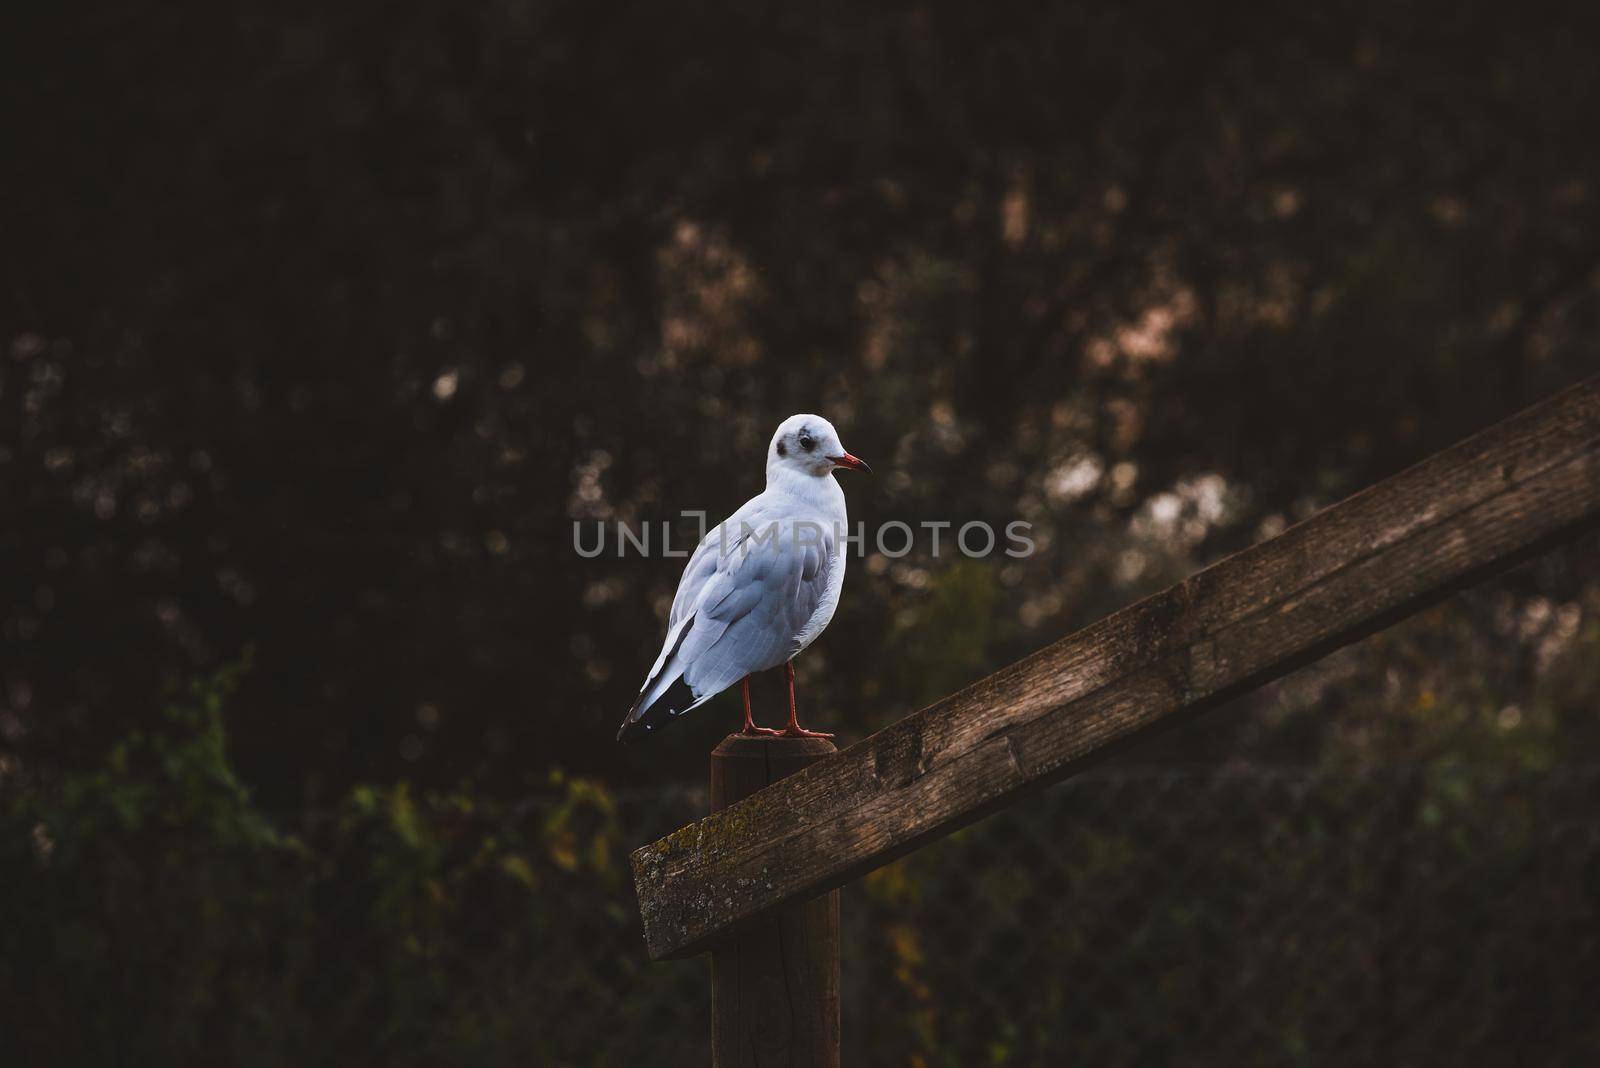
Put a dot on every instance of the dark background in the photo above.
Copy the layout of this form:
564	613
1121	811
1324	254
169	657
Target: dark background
322	324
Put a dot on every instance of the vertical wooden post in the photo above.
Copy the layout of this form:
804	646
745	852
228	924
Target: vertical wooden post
774	988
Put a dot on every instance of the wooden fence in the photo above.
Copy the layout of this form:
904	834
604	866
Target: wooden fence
1509	492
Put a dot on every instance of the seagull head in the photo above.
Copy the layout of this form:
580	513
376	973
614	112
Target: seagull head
808	444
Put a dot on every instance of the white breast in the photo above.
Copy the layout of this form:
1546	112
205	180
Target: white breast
820	500
830	598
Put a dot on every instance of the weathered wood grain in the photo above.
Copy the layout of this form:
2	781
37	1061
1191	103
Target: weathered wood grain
775	985
1500	496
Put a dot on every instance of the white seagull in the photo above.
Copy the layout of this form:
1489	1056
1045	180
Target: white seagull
759	588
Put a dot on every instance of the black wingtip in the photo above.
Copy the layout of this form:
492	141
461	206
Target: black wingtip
668	707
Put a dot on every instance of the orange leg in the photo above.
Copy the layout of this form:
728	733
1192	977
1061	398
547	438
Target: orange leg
750	724
794	730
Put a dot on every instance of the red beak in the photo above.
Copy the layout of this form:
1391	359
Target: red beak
854	463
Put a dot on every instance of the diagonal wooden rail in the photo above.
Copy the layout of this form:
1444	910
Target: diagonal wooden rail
1513	490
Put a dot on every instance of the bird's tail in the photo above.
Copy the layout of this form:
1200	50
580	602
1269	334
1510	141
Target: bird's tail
648	714
664	696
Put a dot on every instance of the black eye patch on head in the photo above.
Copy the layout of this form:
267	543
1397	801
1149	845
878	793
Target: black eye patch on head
806	441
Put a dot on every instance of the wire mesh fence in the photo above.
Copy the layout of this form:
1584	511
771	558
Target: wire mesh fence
1419	916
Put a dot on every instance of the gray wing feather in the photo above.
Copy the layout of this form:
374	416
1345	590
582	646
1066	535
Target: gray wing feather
752	610
741	605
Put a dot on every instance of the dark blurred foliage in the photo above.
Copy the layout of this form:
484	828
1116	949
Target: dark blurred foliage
320	326
170	921
1440	910
324	323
